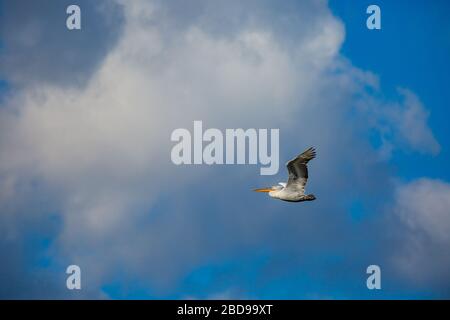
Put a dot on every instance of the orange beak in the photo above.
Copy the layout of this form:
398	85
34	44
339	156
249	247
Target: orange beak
263	190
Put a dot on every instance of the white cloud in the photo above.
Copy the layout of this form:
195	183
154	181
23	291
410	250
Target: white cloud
401	125
112	135
423	206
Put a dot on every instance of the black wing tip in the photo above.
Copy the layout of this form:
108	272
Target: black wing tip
311	150
308	154
305	156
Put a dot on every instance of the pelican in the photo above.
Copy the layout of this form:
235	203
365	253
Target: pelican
294	189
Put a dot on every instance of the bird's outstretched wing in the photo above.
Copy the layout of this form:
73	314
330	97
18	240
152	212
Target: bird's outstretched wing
298	170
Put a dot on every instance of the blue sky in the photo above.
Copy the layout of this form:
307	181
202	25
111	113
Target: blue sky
410	51
85	170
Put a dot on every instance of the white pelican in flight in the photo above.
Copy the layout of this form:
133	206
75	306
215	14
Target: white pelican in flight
294	189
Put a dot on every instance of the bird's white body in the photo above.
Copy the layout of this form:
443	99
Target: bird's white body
287	195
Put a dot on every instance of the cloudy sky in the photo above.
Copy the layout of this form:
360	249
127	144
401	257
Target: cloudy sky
85	170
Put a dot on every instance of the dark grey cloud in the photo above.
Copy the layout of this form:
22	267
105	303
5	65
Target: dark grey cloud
38	48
